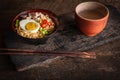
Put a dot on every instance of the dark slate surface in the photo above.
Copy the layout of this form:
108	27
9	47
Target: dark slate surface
67	38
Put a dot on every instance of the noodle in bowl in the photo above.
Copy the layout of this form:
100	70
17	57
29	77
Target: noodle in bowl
35	24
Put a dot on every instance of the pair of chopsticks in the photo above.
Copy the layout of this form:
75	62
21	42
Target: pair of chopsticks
11	51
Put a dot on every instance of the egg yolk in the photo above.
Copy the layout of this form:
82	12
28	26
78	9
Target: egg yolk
31	26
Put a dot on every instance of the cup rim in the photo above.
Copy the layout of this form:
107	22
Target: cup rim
107	14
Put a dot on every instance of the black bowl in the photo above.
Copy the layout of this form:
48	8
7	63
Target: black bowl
37	40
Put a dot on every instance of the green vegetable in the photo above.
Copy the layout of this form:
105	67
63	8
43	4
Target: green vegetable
45	32
50	31
17	23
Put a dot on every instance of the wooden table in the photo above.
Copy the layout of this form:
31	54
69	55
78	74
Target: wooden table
65	68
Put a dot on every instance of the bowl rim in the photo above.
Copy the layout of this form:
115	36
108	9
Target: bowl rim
52	15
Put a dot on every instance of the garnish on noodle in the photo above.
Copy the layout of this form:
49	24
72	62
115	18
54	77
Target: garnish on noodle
34	25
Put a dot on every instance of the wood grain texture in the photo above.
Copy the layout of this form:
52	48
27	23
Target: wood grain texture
106	67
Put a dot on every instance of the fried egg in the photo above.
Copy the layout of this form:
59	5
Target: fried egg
29	25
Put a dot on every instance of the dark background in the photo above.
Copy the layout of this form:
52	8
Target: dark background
65	68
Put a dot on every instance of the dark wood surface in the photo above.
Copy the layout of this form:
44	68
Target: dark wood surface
105	67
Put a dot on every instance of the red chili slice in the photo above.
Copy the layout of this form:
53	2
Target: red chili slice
43	25
50	23
44	21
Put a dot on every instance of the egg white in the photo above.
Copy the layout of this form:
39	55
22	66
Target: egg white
24	22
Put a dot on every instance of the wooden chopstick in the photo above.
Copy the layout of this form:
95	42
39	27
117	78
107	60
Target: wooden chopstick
13	51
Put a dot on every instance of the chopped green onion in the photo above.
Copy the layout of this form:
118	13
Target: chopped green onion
17	23
45	32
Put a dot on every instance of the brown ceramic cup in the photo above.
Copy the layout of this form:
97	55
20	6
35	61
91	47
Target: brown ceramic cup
91	17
